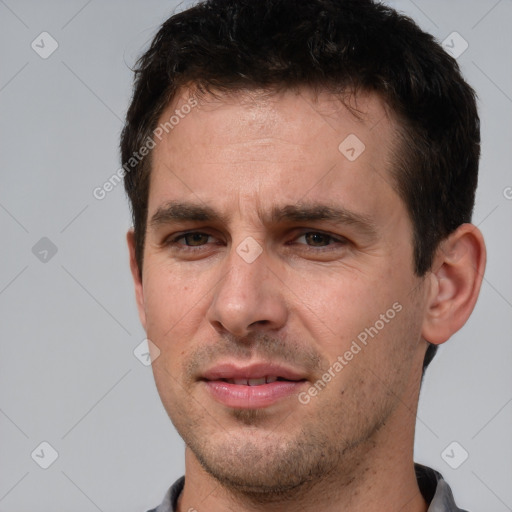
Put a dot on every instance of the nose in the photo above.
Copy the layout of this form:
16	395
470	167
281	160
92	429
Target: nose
248	297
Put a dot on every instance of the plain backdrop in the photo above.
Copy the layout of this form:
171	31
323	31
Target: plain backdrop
69	326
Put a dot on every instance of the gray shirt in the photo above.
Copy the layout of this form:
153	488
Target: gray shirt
433	487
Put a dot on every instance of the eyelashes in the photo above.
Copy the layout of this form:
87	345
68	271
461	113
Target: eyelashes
198	240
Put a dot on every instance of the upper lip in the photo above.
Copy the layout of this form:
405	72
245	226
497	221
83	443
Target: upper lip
253	371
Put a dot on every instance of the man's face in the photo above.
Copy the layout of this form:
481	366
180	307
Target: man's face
243	265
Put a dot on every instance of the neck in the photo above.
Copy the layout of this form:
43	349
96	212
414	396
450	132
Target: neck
378	481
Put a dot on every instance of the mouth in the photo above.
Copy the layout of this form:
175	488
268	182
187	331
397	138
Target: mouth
252	387
268	379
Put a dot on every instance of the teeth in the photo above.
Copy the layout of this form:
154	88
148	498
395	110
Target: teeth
252	382
256	382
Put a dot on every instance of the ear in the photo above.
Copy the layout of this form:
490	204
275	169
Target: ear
137	279
455	280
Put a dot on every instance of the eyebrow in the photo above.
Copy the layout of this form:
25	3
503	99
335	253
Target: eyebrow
176	211
321	212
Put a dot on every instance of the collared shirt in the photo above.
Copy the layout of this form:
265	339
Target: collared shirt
433	487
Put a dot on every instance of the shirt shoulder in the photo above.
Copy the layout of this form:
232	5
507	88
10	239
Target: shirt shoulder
433	487
171	497
435	490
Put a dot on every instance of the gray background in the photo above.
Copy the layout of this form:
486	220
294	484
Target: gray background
68	375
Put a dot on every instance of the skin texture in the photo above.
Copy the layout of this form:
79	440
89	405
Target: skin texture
302	302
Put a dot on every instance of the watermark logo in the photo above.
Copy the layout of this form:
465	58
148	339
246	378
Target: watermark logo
44	455
351	147
44	45
44	250
454	455
146	352
455	45
249	249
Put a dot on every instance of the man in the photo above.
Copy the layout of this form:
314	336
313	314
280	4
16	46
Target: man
302	177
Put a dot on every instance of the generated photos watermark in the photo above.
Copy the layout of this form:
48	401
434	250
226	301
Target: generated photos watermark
355	348
111	183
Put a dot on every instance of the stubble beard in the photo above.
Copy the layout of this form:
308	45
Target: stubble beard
267	465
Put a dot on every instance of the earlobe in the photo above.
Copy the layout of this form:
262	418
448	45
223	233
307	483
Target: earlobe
136	275
455	282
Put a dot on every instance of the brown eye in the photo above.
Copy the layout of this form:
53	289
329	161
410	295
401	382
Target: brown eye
194	239
317	239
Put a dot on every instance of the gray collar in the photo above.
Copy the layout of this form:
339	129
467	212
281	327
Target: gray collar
433	487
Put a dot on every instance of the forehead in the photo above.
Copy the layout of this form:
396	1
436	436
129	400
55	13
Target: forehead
292	115
279	146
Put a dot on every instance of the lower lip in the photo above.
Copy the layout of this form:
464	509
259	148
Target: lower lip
252	397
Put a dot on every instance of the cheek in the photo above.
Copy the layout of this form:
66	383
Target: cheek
173	305
337	306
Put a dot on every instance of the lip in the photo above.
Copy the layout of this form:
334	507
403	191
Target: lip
253	371
252	397
243	396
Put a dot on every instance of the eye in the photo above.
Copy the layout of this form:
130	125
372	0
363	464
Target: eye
316	239
193	239
189	239
319	239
